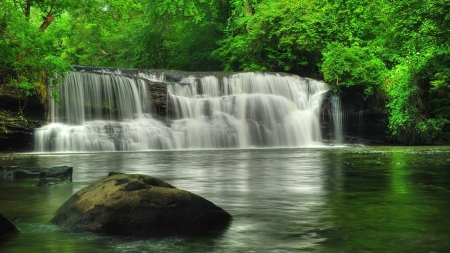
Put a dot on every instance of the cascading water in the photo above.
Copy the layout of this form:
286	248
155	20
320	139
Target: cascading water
101	113
337	119
253	109
112	112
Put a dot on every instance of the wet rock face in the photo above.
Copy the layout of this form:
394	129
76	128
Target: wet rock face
158	95
19	116
140	205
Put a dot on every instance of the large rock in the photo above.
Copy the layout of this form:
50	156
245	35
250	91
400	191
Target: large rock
7	227
139	205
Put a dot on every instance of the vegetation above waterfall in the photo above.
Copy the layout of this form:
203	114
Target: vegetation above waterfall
397	51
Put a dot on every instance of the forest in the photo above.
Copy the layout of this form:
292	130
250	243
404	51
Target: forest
396	51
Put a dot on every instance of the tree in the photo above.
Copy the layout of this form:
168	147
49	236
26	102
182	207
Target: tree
270	35
418	50
290	35
349	66
179	34
102	33
49	9
30	50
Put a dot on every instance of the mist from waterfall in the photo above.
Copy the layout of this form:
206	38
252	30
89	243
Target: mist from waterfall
113	112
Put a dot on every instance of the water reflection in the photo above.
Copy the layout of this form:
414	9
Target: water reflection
282	200
381	208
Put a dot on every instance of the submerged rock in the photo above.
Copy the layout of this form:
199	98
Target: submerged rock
7	227
139	205
47	176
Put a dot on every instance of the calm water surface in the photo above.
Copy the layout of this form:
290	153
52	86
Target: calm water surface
349	199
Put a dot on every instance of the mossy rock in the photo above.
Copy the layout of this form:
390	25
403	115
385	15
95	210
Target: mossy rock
141	205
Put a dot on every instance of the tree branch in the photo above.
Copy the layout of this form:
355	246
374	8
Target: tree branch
47	21
104	52
8	35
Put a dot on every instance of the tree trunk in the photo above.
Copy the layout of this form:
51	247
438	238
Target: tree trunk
27	9
249	10
47	21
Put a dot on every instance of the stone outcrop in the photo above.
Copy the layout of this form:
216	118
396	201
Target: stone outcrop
7	228
19	116
363	119
46	176
158	95
139	205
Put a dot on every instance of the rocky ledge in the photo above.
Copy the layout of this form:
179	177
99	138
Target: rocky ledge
19	116
139	205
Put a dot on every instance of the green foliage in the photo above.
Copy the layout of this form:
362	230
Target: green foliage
29	56
439	72
151	34
271	35
179	35
418	48
409	121
291	35
348	66
99	33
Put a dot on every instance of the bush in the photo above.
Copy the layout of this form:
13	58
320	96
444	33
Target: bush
348	66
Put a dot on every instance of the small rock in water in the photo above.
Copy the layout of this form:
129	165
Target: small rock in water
140	205
22	174
47	176
7	227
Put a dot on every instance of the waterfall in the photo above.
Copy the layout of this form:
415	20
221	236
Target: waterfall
111	111
337	119
354	124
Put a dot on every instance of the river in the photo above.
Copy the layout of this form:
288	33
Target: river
340	199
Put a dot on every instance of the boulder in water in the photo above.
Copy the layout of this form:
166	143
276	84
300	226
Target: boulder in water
7	227
140	205
47	176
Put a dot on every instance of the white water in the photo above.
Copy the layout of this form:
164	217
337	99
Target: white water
337	119
110	112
